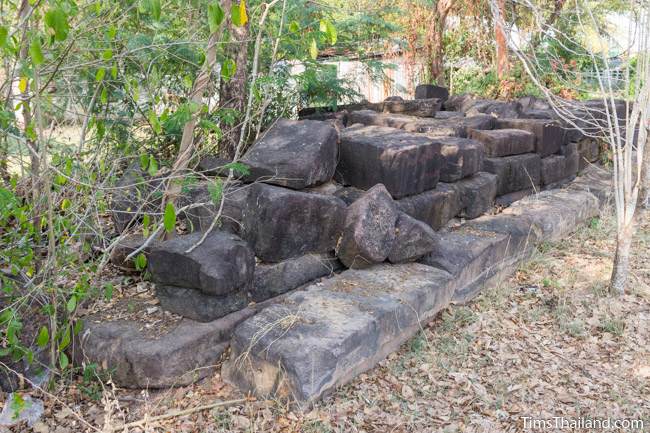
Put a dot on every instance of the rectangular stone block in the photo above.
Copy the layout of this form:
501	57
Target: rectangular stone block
514	173
504	142
477	194
553	169
425	91
549	134
321	338
462	158
414	107
572	164
405	163
451	127
472	257
588	152
280	223
521	230
435	207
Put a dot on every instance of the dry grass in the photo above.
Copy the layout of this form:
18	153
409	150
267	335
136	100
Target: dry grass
548	342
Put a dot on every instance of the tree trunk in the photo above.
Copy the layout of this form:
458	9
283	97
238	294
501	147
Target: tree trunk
503	67
437	52
435	47
621	269
645	177
232	94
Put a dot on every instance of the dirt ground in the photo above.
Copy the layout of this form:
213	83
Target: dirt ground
549	341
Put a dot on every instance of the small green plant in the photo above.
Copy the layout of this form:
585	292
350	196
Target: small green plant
613	326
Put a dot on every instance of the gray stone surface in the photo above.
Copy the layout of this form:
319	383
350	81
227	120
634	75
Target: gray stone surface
323	337
477	194
462	158
294	153
434	207
414	107
274	279
405	163
572	163
413	239
472	257
349	194
196	305
514	173
425	91
450	127
549	135
521	230
504	142
556	213
201	215
124	247
588	152
178	357
223	263
369	231
506	200
471	105
597	181
553	169
135	193
280	223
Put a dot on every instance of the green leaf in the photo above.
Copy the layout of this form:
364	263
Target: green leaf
238	14
107	54
215	189
169	218
108	291
153	166
63	360
99	75
144	161
140	262
43	337
215	16
294	27
228	69
65	339
331	33
313	49
154	9
104	96
65	204
4	36
72	304
57	20
114	72
35	51
238	168
155	123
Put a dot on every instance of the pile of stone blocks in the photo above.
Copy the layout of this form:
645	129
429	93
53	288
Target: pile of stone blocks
336	244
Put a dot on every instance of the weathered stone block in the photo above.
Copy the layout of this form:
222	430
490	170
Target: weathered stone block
506	200
280	223
426	91
572	163
555	213
462	158
416	107
470	105
124	247
196	305
588	152
200	217
549	135
135	194
477	194
521	230
373	118
294	153
369	231
178	357
472	257
274	279
504	142
553	169
450	127
349	194
413	239
405	163
321	338
435	207
514	173
223	263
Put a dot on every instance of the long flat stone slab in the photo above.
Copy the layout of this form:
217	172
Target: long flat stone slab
316	340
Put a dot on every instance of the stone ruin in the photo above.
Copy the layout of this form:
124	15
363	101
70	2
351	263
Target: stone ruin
351	231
